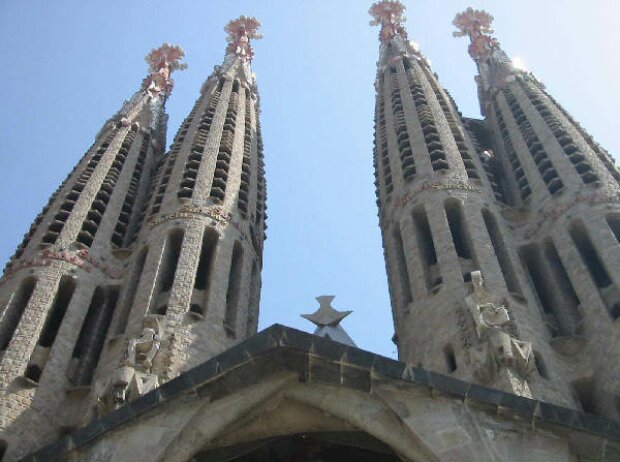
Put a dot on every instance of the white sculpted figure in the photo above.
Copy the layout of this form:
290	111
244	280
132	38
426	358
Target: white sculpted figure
141	351
485	312
498	349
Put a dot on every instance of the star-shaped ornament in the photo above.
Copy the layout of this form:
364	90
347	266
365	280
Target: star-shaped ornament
326	315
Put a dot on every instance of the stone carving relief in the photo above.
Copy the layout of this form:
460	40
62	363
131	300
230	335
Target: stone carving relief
220	217
216	213
137	375
435	185
81	259
499	359
555	211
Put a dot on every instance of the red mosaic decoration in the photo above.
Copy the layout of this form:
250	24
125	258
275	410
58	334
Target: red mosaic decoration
240	31
389	15
162	62
477	25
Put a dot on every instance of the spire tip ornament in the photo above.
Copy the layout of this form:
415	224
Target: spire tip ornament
476	24
389	15
162	62
240	31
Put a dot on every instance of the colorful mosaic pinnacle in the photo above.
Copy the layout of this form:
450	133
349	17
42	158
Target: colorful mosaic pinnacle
240	31
388	14
477	25
162	62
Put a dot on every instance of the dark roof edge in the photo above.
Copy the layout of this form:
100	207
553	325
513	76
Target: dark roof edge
285	338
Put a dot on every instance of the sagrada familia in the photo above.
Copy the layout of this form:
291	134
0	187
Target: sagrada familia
128	314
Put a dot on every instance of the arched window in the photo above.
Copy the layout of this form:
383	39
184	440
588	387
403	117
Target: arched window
50	329
207	254
613	220
541	367
254	301
15	310
130	290
458	229
589	255
426	247
503	258
171	258
450	358
540	280
87	350
232	294
567	311
404	288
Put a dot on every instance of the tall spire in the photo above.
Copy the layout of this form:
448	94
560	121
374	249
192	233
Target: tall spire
194	281
69	270
494	67
389	15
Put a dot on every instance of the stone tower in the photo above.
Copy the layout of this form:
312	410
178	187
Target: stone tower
562	205
193	285
481	286
60	289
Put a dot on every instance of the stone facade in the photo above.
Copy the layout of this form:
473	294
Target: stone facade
284	395
525	200
142	265
128	314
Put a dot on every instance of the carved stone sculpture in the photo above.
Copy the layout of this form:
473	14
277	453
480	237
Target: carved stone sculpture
499	358
136	376
141	351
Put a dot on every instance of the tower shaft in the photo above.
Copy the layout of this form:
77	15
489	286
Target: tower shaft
441	199
60	289
193	284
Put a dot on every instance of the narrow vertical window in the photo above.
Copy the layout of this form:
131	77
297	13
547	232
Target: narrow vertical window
589	255
532	261
503	258
613	220
570	317
450	358
426	246
92	335
232	294
584	390
130	291
15	310
205	264
254	302
458	230
50	328
171	259
541	367
403	272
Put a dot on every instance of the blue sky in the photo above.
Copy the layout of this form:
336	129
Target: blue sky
69	64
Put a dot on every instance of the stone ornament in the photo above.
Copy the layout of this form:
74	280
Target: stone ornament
136	376
499	359
162	62
327	321
476	24
240	31
141	351
389	15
